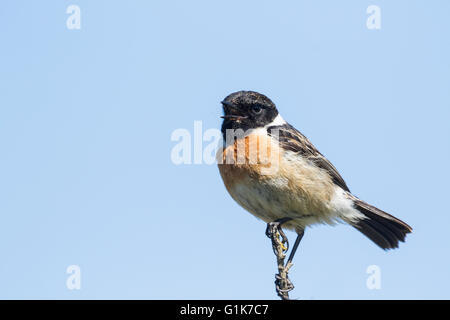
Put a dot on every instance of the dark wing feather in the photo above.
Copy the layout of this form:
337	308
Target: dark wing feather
293	140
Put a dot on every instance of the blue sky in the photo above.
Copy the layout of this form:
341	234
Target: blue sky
86	117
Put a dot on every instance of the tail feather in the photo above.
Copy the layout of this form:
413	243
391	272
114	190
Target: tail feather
380	227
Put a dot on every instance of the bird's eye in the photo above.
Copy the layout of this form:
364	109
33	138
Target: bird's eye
256	109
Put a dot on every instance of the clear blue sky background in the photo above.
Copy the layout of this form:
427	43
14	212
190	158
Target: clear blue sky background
86	117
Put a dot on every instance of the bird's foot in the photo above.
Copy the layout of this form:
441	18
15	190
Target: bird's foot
276	234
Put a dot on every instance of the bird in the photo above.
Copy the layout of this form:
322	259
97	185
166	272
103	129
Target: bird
274	172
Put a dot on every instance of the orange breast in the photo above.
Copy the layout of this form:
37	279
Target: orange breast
253	156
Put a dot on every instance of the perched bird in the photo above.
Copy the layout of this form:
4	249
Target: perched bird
303	188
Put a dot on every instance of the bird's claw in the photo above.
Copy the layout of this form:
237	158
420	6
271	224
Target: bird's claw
274	232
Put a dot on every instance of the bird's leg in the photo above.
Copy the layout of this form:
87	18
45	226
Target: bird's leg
300	234
275	233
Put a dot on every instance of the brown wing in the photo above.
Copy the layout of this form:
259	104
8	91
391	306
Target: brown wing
293	140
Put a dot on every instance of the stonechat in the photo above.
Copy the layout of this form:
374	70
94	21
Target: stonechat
304	188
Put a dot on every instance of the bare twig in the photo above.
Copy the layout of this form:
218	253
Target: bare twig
282	283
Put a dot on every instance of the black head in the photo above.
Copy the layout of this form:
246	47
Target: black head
247	110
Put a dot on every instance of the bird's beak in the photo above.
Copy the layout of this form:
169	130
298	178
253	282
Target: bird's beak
231	111
233	117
